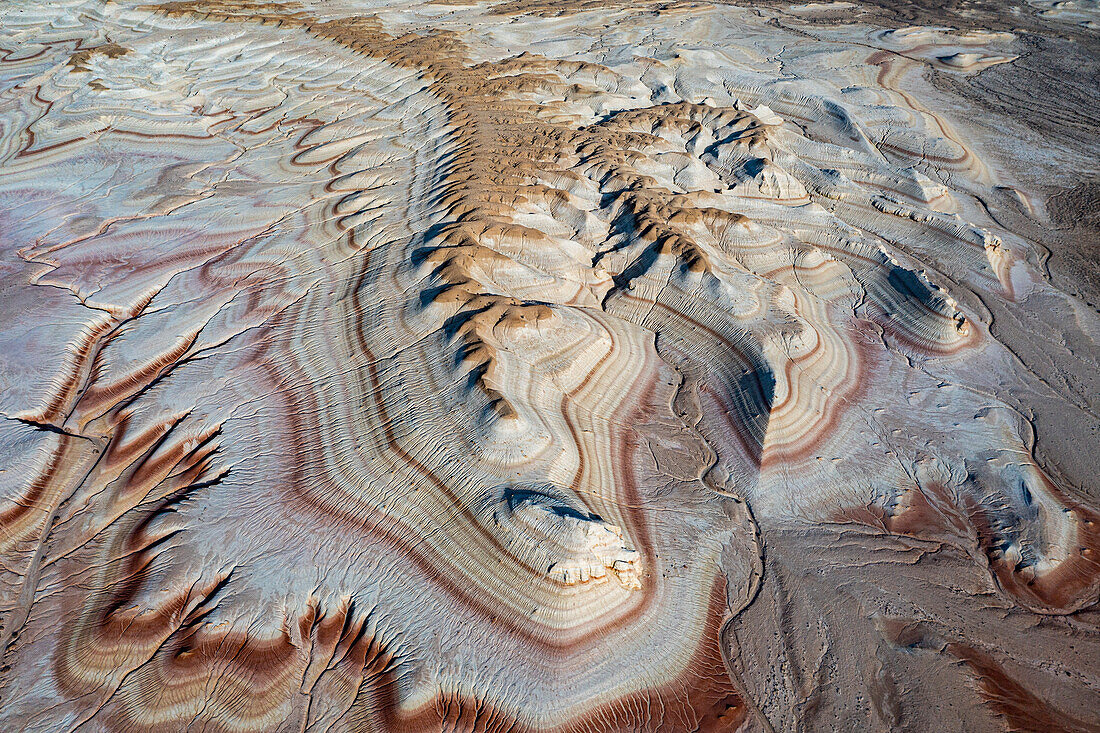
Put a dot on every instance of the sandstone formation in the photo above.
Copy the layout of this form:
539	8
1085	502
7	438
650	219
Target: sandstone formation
548	366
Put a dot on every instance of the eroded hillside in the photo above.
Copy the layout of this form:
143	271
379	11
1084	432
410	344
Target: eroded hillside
544	366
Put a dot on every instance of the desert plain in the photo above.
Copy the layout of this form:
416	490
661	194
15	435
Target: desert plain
549	365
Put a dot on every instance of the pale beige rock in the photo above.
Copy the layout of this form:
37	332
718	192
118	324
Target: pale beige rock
411	367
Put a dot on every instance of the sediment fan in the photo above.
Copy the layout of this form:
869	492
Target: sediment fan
365	370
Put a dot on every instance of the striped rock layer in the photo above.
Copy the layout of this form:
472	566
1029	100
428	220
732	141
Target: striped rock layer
366	370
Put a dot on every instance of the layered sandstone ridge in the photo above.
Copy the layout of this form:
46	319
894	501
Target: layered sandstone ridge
404	368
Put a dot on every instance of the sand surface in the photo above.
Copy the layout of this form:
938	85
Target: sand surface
548	365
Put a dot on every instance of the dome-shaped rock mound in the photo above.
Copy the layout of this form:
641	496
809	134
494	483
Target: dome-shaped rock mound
548	366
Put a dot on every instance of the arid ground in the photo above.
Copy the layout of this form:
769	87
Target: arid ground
549	365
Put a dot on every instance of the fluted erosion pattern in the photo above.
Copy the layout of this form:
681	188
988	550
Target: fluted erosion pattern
547	366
